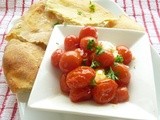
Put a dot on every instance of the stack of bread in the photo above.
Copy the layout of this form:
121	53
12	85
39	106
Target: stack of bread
28	38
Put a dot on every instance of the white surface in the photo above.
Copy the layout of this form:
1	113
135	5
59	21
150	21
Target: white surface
31	114
156	66
141	89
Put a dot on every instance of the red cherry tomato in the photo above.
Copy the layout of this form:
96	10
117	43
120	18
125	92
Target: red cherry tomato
88	44
86	60
69	61
71	42
104	91
80	51
125	53
80	77
88	31
92	56
105	59
83	53
63	85
121	95
80	94
55	58
123	74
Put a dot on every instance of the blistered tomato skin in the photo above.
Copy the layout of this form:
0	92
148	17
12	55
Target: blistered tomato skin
88	31
71	42
63	85
105	59
125	53
88	44
56	56
123	74
86	60
80	94
92	69
80	77
121	95
104	91
69	61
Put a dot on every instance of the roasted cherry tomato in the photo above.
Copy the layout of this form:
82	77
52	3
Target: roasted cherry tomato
86	60
121	95
88	44
69	61
55	58
71	42
123	74
80	94
63	85
92	56
104	91
80	77
125	53
90	71
105	59
88	31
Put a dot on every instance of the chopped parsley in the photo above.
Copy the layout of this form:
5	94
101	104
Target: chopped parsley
99	50
90	18
79	12
57	43
119	59
95	64
111	74
91	44
92	7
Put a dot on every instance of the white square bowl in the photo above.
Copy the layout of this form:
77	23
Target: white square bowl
46	94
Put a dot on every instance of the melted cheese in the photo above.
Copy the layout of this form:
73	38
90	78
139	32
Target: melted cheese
110	47
107	46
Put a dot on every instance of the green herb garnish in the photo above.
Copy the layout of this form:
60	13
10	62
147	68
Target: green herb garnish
99	50
119	59
91	44
92	7
79	12
90	18
95	64
111	74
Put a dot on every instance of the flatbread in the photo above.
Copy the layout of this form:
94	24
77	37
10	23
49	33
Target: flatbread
21	62
35	25
80	12
124	22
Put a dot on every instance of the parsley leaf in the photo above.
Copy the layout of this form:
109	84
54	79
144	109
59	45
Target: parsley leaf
79	12
99	50
119	59
111	74
91	44
92	7
95	64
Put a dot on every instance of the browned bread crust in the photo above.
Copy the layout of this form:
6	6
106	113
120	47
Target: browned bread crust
20	64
